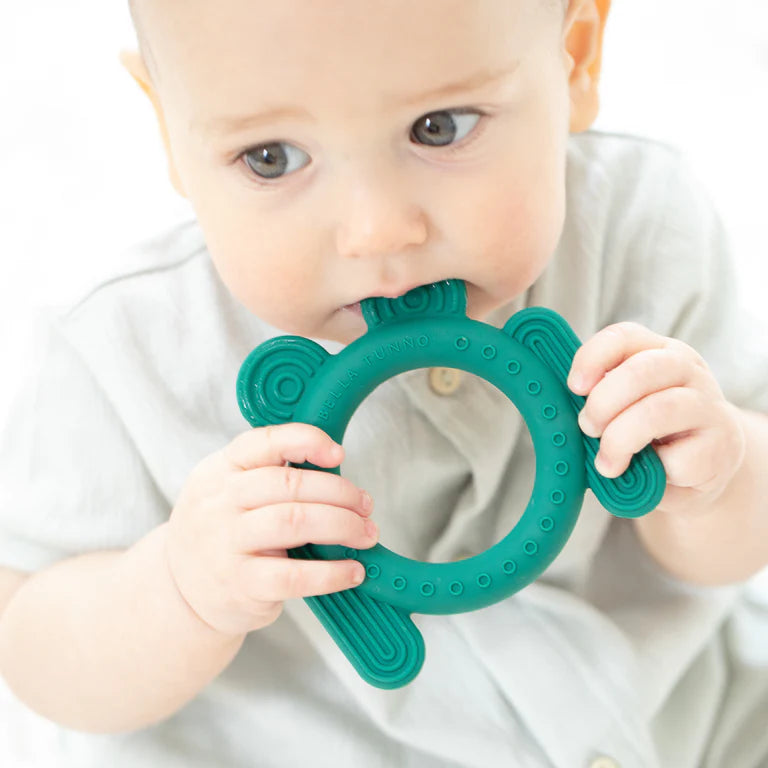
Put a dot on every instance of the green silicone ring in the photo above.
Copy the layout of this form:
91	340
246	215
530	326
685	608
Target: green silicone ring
291	378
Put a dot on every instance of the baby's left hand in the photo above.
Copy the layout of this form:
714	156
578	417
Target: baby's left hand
645	388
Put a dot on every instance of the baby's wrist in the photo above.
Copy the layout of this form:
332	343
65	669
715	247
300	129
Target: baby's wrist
155	546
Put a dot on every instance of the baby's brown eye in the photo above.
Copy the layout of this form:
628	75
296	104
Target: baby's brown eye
270	161
437	129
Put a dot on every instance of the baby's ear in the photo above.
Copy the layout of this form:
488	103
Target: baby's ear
583	43
137	69
134	64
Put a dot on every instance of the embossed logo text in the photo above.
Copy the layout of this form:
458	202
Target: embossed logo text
336	392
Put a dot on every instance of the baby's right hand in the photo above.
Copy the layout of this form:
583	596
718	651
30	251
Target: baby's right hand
239	511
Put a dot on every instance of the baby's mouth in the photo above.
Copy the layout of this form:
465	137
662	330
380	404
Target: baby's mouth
355	308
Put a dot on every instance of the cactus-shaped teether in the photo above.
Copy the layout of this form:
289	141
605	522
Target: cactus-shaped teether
291	378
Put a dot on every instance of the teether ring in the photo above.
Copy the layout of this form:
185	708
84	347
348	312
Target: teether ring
291	378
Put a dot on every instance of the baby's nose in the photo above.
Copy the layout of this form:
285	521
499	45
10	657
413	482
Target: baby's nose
376	222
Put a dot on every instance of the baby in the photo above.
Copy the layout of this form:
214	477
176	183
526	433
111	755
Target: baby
334	151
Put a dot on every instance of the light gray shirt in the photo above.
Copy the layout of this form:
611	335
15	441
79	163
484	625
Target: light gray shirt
605	656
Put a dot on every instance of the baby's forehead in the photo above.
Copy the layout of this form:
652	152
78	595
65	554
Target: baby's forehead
389	51
266	22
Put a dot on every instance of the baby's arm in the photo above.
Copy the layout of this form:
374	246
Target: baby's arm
711	526
105	642
727	541
10	581
117	640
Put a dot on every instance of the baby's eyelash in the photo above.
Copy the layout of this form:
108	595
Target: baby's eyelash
446	149
474	134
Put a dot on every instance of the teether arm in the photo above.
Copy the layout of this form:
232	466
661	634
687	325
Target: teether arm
380	641
640	488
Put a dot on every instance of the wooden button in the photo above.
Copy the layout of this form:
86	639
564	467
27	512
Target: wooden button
603	761
444	381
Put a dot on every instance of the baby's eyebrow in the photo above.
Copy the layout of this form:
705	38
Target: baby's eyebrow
228	124
472	83
222	125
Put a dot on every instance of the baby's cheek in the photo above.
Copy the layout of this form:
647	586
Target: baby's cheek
526	232
287	299
253	279
276	296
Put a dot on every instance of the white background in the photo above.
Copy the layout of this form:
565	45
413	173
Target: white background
83	174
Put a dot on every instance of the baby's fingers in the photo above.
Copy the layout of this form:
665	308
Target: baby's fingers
289	525
274	485
274	579
672	415
649	371
275	445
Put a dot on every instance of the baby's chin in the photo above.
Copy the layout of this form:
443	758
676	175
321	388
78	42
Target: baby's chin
345	325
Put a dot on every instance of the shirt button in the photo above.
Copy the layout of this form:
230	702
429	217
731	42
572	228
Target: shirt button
444	381
604	762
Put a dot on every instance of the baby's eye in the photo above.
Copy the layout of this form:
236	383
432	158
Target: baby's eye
270	161
438	129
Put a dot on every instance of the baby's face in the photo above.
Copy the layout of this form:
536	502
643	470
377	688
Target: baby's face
338	150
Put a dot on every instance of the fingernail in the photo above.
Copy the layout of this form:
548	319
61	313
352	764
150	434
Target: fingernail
358	575
576	382
366	501
371	529
586	425
602	465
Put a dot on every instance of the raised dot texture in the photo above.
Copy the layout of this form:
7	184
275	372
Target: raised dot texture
557	496
461	343
561	468
489	352
549	412
373	571
546	524
533	387
530	547
399	583
513	367
559	439
427	589
483	580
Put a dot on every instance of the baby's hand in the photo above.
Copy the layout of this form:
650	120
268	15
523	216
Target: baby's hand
645	388
241	508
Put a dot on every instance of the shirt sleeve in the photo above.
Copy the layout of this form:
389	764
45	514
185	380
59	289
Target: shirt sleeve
71	478
671	270
678	277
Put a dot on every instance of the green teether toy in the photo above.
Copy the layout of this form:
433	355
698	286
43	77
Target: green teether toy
291	378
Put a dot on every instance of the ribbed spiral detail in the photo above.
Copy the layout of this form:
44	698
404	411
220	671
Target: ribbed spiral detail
445	297
274	376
